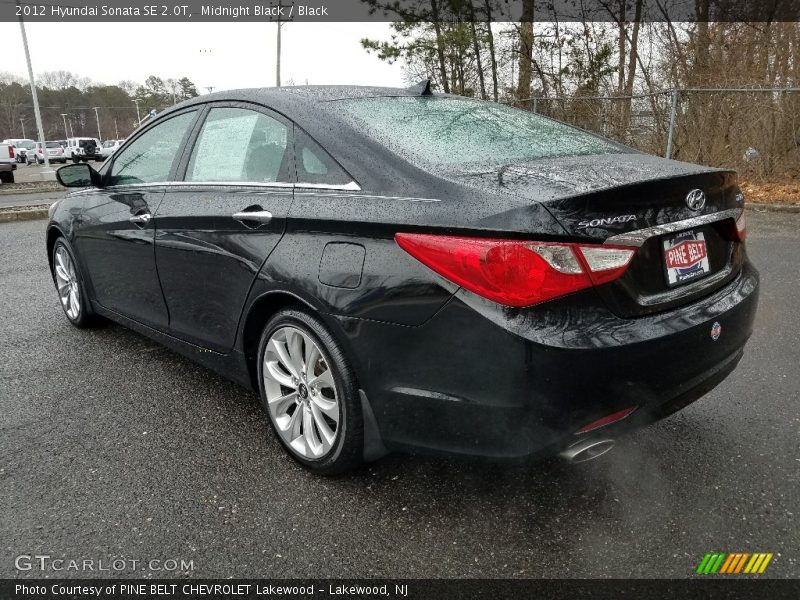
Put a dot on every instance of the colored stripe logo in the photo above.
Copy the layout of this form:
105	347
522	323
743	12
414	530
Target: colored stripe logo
734	563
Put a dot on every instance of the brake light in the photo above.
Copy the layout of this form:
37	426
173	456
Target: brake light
517	273
11	152
741	227
607	420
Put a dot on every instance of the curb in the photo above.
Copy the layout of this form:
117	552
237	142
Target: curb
778	208
33	191
31	213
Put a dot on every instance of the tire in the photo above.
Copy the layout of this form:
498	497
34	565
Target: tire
76	160
83	316
304	422
7	176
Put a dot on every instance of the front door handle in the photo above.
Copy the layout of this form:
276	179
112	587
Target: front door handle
142	219
262	216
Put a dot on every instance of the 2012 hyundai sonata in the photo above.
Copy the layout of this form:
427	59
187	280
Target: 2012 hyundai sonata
393	269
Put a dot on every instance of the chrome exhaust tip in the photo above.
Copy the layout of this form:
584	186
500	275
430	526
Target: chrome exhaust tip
587	449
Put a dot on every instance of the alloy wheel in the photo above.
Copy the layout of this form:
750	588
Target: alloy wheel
301	393
67	283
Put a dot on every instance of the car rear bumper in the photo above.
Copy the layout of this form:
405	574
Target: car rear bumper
485	380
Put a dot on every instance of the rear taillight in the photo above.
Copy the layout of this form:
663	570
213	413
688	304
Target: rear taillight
735	231
11	152
517	273
741	227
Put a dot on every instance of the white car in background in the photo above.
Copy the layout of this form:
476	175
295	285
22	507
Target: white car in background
55	153
110	146
8	163
24	149
83	149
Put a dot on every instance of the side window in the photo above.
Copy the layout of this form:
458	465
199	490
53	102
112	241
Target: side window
238	144
149	158
314	165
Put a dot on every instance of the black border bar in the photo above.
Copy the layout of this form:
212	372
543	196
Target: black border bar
707	587
299	11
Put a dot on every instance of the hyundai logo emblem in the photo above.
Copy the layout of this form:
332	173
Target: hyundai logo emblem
696	199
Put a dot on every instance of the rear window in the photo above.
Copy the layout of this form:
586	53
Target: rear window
53	145
461	131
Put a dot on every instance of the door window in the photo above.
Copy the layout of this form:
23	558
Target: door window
149	158
238	144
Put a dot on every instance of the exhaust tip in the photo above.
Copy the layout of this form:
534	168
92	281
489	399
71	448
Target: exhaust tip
585	450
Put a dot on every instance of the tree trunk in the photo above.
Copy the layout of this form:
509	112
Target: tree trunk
477	49
525	50
492	54
634	54
437	27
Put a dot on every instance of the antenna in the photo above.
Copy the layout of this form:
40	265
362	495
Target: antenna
423	88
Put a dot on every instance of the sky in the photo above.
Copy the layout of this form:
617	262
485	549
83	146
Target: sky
222	55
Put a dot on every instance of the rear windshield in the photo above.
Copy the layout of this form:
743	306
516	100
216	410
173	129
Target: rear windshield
26	144
461	131
53	145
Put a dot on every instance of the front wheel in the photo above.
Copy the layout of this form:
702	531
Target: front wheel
309	391
69	285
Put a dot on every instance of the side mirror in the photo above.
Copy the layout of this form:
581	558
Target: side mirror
78	175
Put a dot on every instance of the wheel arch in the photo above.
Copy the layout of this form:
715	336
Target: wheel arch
53	233
261	310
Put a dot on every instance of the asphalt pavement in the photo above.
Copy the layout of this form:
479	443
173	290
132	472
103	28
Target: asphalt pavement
115	448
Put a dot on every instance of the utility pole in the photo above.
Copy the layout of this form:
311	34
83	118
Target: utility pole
138	116
66	133
35	97
97	117
116	129
22	123
280	21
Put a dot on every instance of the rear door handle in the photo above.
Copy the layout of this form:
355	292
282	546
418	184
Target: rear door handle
142	219
262	216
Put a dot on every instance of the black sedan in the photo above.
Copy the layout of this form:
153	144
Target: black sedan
398	270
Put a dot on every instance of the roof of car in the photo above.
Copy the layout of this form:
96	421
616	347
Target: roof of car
296	102
313	93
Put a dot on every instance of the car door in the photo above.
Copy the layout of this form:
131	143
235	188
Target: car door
216	228
116	234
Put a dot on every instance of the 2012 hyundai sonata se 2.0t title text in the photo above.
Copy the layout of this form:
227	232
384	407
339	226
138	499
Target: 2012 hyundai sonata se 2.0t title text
398	270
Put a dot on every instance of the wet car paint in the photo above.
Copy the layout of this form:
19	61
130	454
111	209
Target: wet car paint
441	368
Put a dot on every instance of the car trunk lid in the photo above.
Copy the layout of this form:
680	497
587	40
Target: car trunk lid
642	201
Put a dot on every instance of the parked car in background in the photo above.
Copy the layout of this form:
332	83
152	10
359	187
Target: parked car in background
83	149
8	163
110	146
54	152
22	149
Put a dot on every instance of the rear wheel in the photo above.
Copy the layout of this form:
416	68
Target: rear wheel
7	177
309	391
69	285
